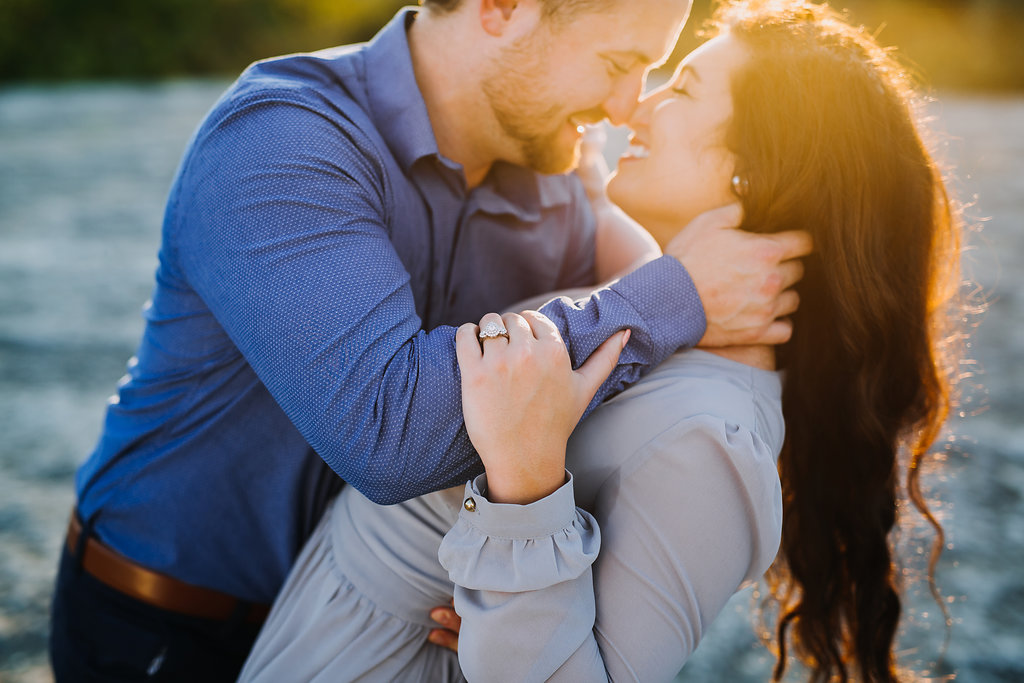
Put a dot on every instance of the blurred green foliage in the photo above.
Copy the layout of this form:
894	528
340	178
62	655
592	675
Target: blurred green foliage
72	39
962	44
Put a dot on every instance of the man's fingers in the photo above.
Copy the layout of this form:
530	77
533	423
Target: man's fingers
447	617
728	216
792	272
448	636
444	638
778	332
601	363
787	303
794	243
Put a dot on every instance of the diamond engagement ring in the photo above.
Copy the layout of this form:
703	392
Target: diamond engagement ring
492	330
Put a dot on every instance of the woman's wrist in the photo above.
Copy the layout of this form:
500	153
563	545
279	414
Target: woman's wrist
524	487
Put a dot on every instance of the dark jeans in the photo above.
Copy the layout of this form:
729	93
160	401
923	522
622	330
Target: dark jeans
99	634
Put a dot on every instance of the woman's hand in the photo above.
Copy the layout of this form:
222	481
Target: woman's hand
521	400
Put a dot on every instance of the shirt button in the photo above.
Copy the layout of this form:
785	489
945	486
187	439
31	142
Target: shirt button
470	505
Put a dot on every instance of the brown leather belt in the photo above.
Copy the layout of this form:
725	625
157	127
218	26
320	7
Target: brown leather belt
154	588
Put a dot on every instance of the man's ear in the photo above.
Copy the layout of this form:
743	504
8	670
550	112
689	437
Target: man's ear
497	16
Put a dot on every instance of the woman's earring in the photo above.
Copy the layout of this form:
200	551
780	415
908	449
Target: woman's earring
740	185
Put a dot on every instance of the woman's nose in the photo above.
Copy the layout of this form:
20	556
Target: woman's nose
642	112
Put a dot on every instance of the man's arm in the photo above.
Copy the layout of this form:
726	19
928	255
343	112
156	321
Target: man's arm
281	228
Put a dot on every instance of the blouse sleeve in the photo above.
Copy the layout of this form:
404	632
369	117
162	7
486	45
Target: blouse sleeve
690	517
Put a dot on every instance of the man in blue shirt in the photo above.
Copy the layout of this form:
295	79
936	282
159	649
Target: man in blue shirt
334	217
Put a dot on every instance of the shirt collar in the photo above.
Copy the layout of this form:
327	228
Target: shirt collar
520	192
394	97
400	114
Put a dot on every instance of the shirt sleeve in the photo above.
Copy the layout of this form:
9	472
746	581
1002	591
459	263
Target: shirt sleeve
682	528
282	229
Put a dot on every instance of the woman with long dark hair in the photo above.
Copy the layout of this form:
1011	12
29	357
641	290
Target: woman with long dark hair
674	498
869	368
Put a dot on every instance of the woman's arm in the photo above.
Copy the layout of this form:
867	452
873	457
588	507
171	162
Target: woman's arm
678	535
685	518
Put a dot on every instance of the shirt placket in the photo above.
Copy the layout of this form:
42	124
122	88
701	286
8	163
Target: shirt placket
443	191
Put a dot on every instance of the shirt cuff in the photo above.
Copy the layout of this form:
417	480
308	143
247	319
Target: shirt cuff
515	548
663	294
542	517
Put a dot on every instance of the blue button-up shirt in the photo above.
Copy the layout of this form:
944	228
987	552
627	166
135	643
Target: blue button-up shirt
316	252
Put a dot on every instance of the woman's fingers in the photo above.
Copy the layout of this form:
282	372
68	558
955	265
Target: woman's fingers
597	368
467	345
494	330
519	331
542	326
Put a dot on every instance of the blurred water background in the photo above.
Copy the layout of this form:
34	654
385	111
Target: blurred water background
84	171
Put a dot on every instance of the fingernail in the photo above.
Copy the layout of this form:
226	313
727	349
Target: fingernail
435	638
440	616
625	338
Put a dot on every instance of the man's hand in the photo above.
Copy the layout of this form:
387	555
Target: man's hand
621	244
451	623
743	278
592	168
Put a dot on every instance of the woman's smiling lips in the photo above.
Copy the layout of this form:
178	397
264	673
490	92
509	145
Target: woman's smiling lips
636	150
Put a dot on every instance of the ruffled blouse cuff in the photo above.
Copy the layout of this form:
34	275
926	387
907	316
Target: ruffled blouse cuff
514	548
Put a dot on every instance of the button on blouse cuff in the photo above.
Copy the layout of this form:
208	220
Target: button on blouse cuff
505	520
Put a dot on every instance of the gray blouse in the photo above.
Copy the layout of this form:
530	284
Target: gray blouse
674	503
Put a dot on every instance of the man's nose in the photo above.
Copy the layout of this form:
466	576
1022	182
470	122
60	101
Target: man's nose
641	114
622	100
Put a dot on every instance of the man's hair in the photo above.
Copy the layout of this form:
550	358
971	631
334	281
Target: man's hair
553	9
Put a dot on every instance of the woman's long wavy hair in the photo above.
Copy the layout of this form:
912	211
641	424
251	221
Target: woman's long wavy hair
827	133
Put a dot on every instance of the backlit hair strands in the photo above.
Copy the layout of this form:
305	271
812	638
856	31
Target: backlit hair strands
827	131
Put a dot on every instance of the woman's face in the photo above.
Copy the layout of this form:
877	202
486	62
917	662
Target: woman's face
677	165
